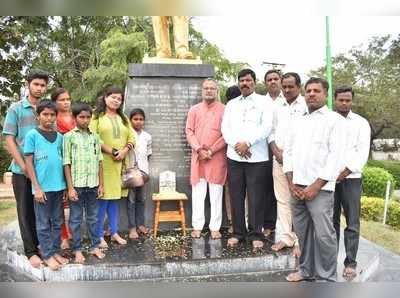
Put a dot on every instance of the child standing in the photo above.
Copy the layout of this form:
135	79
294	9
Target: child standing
84	174
43	151
142	152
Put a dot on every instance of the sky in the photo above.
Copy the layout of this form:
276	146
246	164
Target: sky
297	41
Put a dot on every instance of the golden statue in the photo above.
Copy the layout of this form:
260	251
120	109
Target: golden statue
181	35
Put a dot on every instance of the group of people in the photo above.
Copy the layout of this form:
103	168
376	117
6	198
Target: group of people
286	158
72	156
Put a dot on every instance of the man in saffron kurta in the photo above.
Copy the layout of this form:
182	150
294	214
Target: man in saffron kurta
208	165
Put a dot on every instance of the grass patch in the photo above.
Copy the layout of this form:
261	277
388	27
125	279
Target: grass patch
8	211
382	235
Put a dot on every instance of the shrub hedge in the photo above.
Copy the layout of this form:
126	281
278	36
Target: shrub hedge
5	160
372	209
392	166
374	181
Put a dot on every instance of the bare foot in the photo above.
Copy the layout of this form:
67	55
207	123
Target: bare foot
133	234
196	234
278	246
296	252
79	258
215	235
117	238
61	259
52	263
232	242
35	261
257	244
103	243
65	244
143	230
97	253
349	273
296	277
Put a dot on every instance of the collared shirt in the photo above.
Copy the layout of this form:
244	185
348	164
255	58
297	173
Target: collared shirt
284	113
82	152
20	119
142	151
315	148
279	99
357	143
248	119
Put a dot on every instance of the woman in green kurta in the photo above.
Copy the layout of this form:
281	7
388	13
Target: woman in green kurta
116	135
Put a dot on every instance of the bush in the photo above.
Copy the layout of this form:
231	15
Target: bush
392	166
372	209
5	160
374	181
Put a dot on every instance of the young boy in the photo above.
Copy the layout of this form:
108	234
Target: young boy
84	174
135	202
43	152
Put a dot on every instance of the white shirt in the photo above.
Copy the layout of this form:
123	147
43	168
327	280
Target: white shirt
315	148
280	98
142	150
284	113
357	143
247	119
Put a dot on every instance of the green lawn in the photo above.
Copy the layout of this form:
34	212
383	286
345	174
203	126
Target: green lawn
8	211
382	235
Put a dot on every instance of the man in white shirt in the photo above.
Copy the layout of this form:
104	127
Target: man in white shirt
272	80
246	124
293	105
312	160
348	187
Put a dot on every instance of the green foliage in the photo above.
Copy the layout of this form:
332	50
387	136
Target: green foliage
375	180
116	52
373	71
5	160
392	166
372	209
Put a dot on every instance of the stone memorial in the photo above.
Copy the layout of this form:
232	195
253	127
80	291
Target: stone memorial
165	92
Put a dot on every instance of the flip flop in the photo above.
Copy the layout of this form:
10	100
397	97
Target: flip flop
296	277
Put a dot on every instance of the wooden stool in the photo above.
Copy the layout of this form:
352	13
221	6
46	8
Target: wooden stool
165	216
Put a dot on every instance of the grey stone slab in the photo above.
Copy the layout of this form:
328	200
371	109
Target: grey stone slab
171	70
165	92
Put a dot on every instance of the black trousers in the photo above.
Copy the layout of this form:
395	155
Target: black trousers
348	197
250	177
26	213
270	209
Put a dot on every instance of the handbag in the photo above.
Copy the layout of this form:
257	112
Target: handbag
133	176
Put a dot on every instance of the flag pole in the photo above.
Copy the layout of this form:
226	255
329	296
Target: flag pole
328	65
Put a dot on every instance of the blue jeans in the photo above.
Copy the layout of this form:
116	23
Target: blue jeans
49	217
111	208
87	202
135	207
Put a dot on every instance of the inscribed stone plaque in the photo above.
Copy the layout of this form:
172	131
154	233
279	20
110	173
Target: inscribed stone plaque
166	92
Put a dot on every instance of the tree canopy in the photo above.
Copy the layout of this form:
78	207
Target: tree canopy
373	71
85	53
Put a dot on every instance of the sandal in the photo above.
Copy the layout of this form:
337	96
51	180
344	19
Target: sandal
296	277
279	245
232	242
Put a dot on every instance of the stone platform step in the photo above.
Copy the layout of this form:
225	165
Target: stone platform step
6	191
166	258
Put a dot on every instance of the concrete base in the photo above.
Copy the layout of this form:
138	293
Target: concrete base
167	257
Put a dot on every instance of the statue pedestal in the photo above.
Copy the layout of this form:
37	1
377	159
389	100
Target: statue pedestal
165	92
